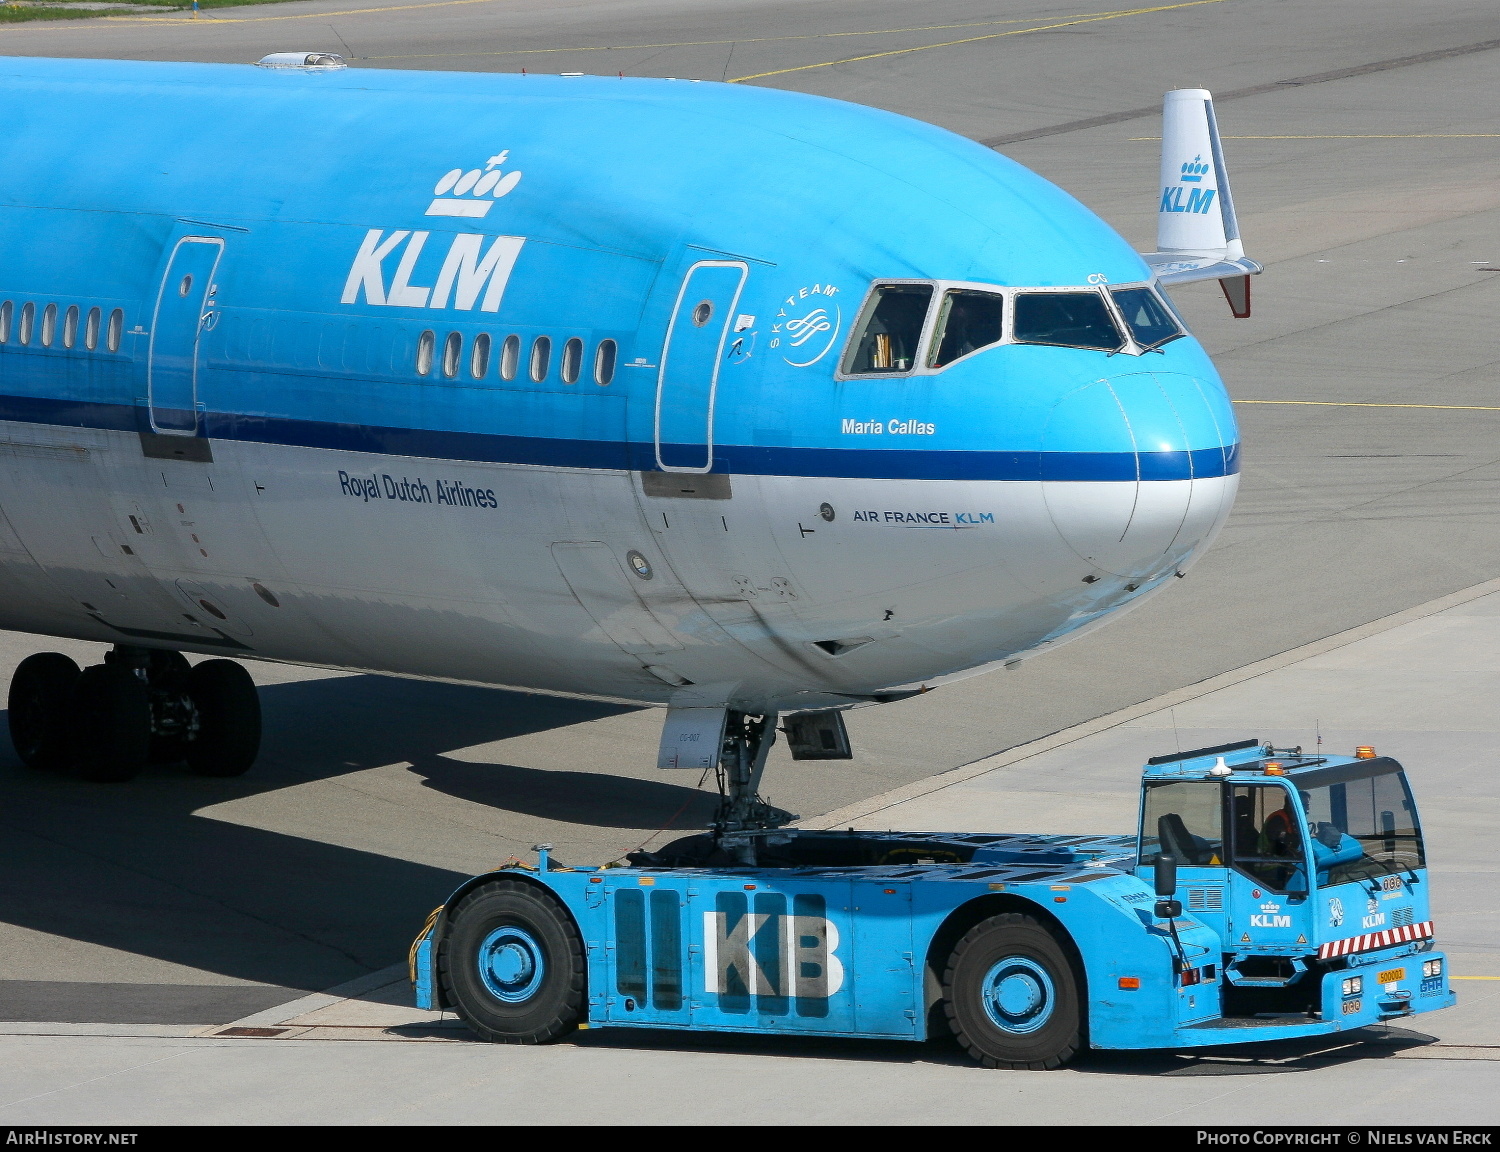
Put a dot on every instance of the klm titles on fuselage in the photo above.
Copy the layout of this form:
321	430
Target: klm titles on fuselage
383	486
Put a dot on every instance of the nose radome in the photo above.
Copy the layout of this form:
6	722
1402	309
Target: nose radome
1120	478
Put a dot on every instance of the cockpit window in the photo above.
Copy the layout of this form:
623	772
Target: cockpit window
1147	317
890	330
967	322
1068	319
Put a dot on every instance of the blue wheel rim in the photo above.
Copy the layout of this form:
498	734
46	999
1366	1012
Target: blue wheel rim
512	964
1018	995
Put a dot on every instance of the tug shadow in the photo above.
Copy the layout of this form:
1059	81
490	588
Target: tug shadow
1231	1060
135	869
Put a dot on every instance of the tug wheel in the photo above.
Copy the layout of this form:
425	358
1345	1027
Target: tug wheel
1011	995
512	964
40	691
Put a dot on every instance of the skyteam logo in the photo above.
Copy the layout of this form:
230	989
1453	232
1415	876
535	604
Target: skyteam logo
473	193
1198	199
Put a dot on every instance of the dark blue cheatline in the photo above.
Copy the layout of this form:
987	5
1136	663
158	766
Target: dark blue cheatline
738	459
1018	995
512	964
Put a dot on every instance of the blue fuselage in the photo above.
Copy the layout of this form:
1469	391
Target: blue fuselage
547	381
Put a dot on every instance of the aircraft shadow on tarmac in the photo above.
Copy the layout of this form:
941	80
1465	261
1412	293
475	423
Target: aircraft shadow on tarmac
132	868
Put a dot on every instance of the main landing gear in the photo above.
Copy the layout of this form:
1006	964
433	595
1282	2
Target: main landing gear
141	706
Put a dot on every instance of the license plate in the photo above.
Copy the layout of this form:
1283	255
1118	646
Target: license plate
1391	976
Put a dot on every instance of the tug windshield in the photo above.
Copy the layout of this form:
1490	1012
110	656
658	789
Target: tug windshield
1066	319
1362	827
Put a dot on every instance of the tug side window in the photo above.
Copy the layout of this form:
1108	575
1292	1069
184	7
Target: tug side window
1267	834
889	330
1184	819
968	321
1066	319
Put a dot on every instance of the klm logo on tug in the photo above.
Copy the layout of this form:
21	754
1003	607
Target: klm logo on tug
1267	917
1198	199
469	268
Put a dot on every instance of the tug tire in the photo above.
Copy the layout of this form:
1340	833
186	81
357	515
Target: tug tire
41	689
110	710
512	964
1011	994
228	705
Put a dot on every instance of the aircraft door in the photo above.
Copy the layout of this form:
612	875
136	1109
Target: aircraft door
183	312
690	362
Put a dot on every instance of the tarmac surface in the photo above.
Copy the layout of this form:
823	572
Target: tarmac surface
1362	138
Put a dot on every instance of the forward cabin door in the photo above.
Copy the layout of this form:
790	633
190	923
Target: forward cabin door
183	309
690	360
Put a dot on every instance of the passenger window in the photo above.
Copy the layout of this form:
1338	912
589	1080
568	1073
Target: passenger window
967	322
1186	820
5	312
889	329
1267	835
479	356
49	325
572	360
1146	316
28	320
1065	319
116	330
425	344
541	356
510	357
452	352
604	362
91	330
70	326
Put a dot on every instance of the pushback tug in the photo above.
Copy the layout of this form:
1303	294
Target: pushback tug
1267	895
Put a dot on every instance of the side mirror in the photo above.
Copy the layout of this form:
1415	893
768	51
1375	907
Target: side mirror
1166	888
1166	875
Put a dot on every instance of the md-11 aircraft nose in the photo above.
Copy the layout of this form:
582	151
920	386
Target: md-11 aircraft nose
1140	470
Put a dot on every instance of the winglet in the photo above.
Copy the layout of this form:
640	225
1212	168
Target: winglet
1197	233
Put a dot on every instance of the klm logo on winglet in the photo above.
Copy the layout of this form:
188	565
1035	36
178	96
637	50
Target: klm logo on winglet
1194	170
1198	199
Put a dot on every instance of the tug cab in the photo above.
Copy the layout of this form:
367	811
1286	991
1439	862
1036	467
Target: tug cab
1305	867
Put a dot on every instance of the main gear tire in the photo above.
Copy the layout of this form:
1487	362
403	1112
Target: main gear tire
512	964
110	715
41	690
1011	993
228	706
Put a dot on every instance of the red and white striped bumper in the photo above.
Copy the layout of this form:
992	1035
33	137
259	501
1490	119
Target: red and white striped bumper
1373	940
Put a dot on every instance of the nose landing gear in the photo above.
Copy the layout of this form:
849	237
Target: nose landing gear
107	722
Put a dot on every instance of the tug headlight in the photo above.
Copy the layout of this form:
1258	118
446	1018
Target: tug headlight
1432	967
1353	985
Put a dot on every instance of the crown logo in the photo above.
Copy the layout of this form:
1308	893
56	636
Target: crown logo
1194	170
473	193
